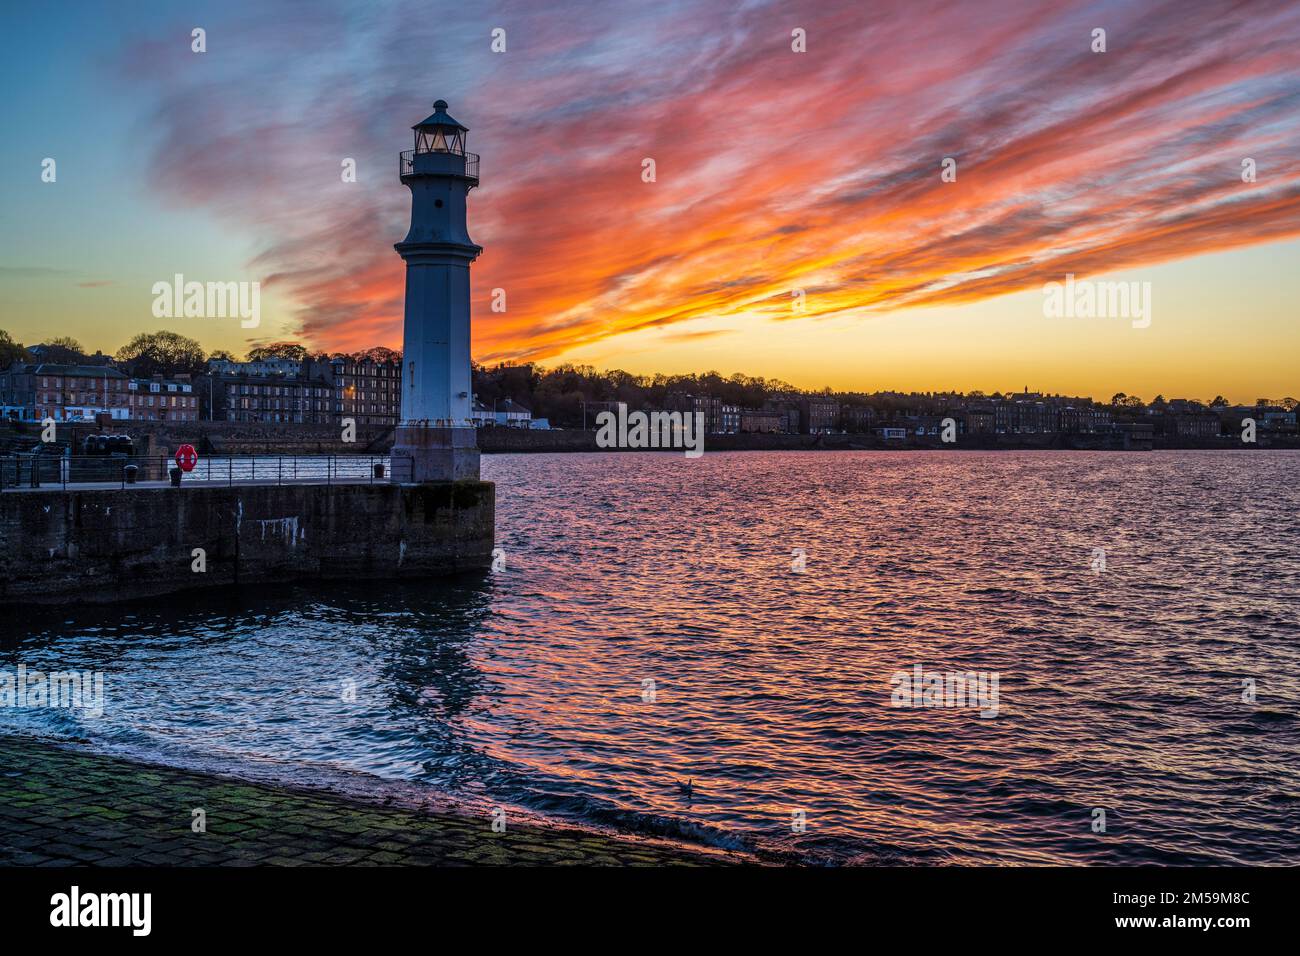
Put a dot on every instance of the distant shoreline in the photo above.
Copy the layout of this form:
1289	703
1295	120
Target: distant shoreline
154	439
518	441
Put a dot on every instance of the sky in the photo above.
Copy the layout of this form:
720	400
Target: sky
798	226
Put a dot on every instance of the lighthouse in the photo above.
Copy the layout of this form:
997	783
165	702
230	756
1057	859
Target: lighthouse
435	438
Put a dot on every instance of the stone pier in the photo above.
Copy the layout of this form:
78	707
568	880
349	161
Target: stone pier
101	545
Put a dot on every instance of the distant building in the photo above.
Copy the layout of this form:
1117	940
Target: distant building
512	414
857	419
818	415
1267	418
1278	420
707	405
161	399
926	425
1026	415
273	398
71	392
368	392
979	421
1086	419
269	366
1003	417
1204	425
1031	413
17	394
505	414
730	420
309	392
762	420
789	410
1137	436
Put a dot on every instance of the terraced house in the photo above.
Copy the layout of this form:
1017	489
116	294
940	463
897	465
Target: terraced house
311	392
366	390
293	399
69	393
160	399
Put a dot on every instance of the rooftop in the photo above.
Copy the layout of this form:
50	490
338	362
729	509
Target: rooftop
82	371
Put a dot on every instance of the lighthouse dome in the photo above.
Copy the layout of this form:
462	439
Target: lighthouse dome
440	117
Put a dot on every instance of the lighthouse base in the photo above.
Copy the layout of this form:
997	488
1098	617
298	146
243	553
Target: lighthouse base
422	453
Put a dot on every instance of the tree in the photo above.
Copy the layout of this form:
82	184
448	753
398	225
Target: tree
1118	398
1219	402
378	354
166	353
221	355
291	351
10	351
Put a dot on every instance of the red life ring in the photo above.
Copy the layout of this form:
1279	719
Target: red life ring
187	457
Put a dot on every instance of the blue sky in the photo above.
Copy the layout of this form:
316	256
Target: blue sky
777	170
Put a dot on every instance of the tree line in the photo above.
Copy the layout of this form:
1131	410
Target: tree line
170	353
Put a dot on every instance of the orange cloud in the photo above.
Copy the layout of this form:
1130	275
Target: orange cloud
776	171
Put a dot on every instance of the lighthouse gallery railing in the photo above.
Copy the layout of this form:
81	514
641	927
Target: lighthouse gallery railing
406	163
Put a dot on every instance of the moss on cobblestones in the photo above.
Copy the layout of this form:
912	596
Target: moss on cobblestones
60	806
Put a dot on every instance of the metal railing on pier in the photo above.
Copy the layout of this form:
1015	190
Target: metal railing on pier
19	472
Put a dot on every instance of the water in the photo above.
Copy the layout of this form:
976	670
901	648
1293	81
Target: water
1119	690
287	468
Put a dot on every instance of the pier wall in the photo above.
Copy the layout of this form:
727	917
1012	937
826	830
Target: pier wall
107	545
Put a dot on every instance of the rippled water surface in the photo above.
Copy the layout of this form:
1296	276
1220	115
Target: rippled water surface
1120	690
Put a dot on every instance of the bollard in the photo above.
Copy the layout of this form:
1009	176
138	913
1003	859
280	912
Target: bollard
129	474
379	469
176	477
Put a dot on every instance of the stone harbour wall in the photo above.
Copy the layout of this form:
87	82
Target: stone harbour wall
107	545
257	438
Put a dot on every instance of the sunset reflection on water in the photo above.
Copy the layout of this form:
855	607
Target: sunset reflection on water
1119	690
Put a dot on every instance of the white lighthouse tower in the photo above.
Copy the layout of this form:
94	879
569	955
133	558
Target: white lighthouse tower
435	438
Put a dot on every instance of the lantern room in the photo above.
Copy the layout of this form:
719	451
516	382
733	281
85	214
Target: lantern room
440	133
